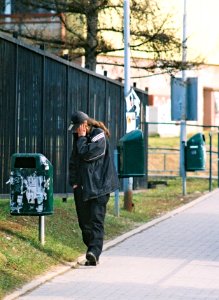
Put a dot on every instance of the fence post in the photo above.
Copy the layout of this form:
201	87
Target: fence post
218	156
116	203
210	162
164	163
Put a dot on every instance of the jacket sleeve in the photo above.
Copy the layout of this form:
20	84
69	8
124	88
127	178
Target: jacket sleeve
73	166
92	148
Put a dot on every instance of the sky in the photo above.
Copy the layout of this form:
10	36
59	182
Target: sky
201	26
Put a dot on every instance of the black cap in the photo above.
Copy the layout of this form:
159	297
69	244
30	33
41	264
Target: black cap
77	119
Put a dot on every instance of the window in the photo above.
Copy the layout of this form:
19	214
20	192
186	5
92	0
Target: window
16	6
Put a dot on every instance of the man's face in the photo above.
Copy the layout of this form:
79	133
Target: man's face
82	129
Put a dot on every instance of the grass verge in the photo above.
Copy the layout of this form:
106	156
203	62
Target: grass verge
22	257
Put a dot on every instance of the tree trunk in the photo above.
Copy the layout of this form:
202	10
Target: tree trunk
92	42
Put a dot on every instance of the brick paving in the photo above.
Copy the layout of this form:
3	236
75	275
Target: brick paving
175	257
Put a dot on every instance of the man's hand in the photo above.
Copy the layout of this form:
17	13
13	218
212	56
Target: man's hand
81	131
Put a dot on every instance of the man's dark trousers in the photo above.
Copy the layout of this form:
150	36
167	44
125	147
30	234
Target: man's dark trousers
91	215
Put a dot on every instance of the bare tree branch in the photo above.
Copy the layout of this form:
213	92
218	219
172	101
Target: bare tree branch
90	27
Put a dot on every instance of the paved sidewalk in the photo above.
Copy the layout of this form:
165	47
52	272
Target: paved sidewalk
173	257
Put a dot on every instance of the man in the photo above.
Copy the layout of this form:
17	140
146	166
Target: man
93	177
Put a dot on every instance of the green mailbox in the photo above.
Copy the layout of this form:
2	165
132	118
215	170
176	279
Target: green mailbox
195	153
31	185
131	155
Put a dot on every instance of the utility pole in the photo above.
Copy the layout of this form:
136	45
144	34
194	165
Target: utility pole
126	47
127	182
183	117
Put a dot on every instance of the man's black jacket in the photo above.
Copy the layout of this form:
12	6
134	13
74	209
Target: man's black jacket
91	165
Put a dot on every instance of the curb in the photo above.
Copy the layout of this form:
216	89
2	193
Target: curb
61	269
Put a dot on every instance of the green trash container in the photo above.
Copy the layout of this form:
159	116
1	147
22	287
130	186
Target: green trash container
131	155
195	153
31	185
